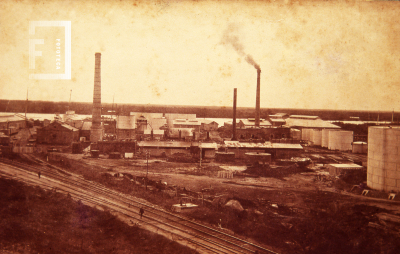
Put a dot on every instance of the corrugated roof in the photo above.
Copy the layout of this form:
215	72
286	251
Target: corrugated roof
69	127
286	146
263	122
277	120
231	144
193	122
11	117
170	144
304	117
309	123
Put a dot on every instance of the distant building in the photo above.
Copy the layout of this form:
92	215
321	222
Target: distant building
57	133
251	123
308	122
11	123
208	125
126	127
148	121
187	123
180	133
170	117
85	130
239	124
155	134
277	122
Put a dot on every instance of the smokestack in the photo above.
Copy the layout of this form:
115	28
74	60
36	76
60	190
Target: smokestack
96	130
257	123
234	113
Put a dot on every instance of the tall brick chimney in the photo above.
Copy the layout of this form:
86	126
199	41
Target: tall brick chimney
257	118
96	132
234	114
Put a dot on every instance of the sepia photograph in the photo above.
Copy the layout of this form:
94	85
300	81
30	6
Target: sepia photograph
184	126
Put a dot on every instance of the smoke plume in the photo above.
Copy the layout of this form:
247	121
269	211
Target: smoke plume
230	37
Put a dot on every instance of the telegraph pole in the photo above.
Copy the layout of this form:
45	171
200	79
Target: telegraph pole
147	172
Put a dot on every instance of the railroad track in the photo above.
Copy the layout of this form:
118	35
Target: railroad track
204	238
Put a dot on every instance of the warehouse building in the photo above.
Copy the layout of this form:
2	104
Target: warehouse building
57	133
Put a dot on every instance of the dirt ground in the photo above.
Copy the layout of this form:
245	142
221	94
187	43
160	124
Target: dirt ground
33	220
303	212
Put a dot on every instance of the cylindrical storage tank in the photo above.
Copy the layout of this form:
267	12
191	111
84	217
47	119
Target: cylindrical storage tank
312	135
332	140
344	140
360	147
303	134
383	158
308	134
317	137
295	134
325	138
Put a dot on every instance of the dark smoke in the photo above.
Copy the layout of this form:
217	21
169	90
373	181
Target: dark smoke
230	37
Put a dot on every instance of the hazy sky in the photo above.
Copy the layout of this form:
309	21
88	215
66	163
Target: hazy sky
313	55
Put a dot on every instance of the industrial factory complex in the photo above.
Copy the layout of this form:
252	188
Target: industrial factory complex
277	151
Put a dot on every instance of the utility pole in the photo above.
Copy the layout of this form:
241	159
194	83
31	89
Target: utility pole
200	152
147	172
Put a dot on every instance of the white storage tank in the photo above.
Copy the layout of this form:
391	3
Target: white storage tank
325	138
295	134
384	158
308	134
316	137
344	139
360	147
305	135
332	140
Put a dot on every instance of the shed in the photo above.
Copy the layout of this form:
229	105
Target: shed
337	169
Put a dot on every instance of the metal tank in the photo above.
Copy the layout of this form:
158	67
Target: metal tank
384	158
360	147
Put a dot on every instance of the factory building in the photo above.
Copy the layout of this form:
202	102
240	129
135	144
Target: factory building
84	132
126	127
57	133
251	123
164	148
239	124
172	116
187	123
208	125
153	134
277	150
263	133
307	123
383	158
148	121
180	133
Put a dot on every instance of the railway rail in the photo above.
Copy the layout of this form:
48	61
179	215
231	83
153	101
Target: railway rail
207	239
